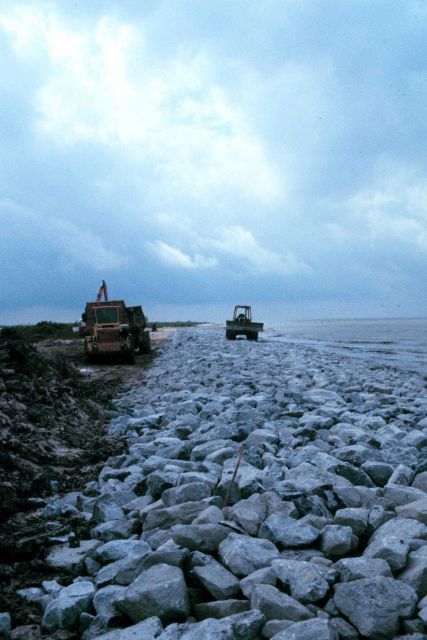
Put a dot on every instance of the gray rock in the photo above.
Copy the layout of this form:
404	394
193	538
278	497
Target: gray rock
377	516
92	566
221	455
118	549
415	625
209	629
220	608
104	603
106	509
156	537
246	626
199	537
211	515
186	493
379	472
359	455
161	590
337	541
71	560
304	579
115	529
420	481
272	627
125	570
355	475
167	553
137	504
261	576
179	514
5	624
276	605
343	629
30	594
415	572
416	510
244	555
357	519
198	476
248	479
241	626
51	586
307	630
375	605
311	480
201	451
250	513
357	568
261	436
288	532
398	494
422	613
357	496
148	629
415	438
401	475
391	541
160	481
64	611
220	582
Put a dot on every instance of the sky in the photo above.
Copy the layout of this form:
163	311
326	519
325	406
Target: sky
198	154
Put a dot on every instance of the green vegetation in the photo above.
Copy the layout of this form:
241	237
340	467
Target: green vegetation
37	332
62	331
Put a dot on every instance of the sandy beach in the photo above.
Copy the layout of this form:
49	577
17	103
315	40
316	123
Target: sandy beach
321	534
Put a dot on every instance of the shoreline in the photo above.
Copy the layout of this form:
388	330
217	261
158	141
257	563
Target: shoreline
328	441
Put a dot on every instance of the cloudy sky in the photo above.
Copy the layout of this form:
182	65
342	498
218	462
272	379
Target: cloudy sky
200	153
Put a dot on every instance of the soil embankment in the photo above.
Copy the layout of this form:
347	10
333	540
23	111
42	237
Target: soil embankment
53	409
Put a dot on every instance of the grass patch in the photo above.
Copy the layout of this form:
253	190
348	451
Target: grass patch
63	331
40	331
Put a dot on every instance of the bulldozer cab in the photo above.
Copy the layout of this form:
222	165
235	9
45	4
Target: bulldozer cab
242	313
105	313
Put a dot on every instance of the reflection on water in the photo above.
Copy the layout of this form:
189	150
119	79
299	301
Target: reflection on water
401	343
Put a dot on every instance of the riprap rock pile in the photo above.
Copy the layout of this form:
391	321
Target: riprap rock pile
325	533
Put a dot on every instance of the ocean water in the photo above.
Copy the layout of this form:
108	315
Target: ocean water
396	342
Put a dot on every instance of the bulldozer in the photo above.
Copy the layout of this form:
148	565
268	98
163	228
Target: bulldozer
242	324
114	331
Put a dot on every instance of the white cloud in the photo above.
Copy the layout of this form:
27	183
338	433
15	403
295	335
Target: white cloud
177	258
166	113
240	242
393	208
234	241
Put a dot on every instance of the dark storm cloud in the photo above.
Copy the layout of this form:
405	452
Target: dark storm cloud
200	152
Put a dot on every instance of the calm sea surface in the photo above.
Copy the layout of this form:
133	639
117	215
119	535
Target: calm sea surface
400	343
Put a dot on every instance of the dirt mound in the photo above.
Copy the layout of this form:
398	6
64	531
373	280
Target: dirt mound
48	415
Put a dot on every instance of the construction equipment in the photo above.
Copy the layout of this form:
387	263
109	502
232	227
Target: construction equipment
102	291
113	330
242	325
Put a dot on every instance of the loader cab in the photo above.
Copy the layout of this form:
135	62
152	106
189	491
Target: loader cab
106	315
242	313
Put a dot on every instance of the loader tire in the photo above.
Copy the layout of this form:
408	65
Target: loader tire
252	336
145	343
230	335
